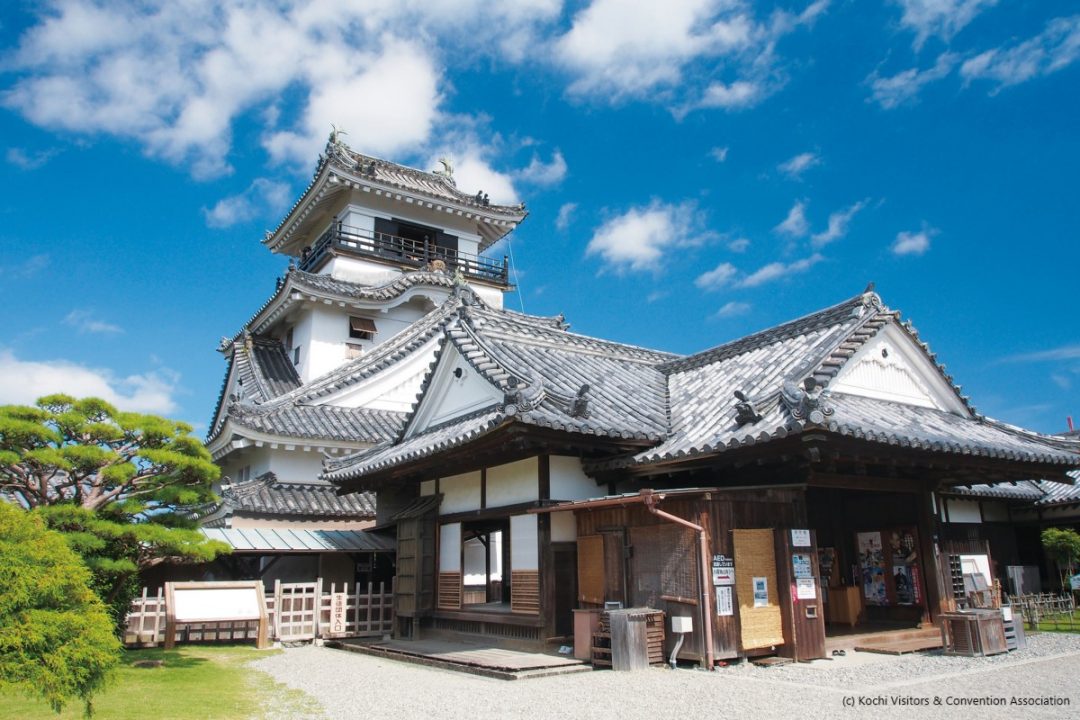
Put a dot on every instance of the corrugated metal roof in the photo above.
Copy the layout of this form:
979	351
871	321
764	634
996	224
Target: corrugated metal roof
296	540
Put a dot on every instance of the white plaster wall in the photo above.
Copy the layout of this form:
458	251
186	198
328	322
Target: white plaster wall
330	330
395	389
513	483
964	511
491	296
524	543
427	487
355	217
563	527
301	338
460	493
450	547
569	481
294	466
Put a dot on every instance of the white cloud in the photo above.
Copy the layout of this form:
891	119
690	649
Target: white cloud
175	77
838	225
623	49
565	216
778	270
1051	50
23	381
656	295
637	239
738	245
732	309
719	154
795	224
29	160
941	18
540	173
28	268
84	321
904	87
717	278
262	197
1064	352
796	166
913	243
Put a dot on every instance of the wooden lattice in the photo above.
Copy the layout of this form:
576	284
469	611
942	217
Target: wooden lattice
525	592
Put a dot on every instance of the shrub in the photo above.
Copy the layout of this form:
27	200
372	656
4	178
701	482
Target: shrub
56	639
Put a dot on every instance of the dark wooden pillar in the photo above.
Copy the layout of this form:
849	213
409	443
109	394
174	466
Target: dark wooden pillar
547	554
930	550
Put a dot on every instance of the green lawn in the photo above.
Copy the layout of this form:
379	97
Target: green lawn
204	682
1058	623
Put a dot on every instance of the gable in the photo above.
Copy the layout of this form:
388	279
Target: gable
892	367
393	388
455	389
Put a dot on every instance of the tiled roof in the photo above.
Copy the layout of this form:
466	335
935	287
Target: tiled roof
319	422
263	369
340	167
1041	493
265	495
300	541
688	406
1026	490
784	374
549	377
330	288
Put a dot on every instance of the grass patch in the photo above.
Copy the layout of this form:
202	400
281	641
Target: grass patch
1058	623
197	682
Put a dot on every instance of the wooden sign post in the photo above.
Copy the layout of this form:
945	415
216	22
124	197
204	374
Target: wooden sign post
206	602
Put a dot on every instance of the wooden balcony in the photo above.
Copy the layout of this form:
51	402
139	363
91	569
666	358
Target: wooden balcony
406	253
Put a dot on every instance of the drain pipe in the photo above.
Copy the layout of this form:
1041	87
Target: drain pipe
650	501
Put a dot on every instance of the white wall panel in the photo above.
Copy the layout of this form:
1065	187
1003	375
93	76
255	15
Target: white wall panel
524	543
450	547
569	481
460	493
513	483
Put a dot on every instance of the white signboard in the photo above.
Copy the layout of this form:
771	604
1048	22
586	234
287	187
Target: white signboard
1074	582
800	538
723	570
337	615
724	604
802	565
805	589
761	592
215	604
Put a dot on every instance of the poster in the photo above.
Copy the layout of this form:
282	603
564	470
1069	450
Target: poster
724	604
802	566
805	589
723	570
761	592
903	547
872	567
800	538
904	584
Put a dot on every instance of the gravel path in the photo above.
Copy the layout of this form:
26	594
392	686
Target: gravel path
349	685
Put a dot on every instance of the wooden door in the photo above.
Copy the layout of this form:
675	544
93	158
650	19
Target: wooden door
564	557
414	594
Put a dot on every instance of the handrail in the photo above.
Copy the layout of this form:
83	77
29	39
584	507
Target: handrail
340	238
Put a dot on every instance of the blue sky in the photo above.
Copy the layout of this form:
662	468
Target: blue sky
695	170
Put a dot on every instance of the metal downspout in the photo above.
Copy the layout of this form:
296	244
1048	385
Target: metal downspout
706	612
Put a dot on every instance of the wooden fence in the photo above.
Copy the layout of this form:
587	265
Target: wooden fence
1044	608
292	611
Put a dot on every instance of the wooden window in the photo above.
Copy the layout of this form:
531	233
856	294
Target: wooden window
296	355
361	328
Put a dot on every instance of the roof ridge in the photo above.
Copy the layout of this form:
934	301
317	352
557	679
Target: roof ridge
771	335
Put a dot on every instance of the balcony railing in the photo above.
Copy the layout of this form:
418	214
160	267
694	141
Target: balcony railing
340	239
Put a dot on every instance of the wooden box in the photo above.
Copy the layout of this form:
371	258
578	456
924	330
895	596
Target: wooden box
844	606
973	633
